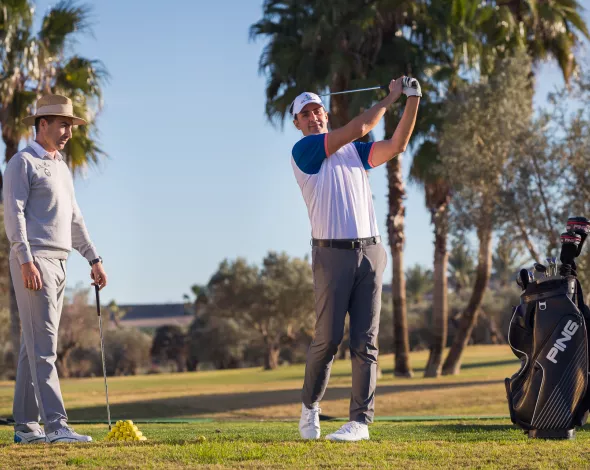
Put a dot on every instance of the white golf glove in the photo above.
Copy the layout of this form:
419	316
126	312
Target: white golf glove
411	87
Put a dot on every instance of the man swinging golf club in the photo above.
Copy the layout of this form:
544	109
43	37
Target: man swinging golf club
43	223
348	258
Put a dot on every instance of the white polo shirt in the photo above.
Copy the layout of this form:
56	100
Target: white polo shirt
335	188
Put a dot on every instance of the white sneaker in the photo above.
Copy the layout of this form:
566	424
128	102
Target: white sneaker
33	437
351	431
67	435
309	424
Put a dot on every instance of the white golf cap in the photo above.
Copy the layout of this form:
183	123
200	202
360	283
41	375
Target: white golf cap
302	100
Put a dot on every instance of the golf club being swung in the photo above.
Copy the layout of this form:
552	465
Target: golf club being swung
382	87
104	370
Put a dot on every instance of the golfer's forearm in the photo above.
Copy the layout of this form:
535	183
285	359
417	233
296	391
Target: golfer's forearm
366	122
17	235
358	127
387	149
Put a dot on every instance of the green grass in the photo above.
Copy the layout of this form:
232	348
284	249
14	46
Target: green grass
465	444
255	414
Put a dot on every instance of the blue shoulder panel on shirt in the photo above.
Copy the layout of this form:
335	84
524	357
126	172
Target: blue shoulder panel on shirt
364	150
309	153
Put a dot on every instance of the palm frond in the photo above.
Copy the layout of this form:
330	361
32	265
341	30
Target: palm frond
60	22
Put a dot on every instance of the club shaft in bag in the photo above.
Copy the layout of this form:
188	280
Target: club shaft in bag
104	369
382	87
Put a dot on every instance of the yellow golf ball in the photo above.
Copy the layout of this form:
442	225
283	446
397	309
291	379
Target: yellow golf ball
201	438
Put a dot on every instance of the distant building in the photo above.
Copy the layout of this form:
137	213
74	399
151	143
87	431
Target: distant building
155	315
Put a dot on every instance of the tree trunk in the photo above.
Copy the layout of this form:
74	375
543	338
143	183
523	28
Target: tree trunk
438	336
452	363
271	357
12	148
395	229
525	237
339	104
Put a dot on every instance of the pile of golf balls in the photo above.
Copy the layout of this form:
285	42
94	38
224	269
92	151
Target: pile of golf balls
125	431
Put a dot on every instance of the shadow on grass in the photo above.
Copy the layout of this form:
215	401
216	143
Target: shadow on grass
206	405
420	370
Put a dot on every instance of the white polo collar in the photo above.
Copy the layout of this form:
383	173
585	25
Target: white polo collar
39	150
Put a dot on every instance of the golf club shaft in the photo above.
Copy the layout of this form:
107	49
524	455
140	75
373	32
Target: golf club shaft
382	87
104	369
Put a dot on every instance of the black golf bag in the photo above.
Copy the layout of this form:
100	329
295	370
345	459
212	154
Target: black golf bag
549	395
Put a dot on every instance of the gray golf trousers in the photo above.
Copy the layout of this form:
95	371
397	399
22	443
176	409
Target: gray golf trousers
37	392
346	280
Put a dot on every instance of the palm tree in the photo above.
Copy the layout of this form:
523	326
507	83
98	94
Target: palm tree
36	63
549	29
426	171
444	42
315	46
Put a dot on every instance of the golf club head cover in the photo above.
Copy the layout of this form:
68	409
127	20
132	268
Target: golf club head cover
581	226
570	242
411	87
523	279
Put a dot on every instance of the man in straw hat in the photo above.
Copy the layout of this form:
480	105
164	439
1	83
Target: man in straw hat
43	223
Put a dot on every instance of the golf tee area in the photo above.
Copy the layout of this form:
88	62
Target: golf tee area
247	418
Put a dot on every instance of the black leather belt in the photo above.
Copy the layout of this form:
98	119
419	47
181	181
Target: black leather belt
350	244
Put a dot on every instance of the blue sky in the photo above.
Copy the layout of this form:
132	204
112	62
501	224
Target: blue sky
195	172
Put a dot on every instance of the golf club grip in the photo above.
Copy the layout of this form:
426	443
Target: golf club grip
96	288
385	87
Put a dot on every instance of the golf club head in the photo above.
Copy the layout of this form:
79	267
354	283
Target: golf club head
540	268
581	226
570	242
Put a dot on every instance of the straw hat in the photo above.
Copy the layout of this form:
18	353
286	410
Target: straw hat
54	105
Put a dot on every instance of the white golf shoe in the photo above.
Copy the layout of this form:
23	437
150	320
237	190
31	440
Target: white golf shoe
351	431
67	435
309	424
33	437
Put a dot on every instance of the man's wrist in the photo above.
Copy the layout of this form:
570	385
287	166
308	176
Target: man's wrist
95	261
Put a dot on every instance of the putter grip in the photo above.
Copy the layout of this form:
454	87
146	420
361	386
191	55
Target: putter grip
97	300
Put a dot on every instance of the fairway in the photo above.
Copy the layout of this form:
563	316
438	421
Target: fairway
249	420
258	394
